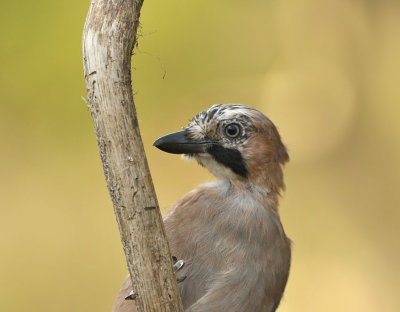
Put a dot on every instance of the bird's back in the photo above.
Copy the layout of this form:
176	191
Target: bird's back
233	246
236	254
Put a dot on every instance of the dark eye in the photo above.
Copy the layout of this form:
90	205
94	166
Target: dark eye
232	130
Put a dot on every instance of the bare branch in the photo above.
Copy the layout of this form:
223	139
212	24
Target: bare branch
108	40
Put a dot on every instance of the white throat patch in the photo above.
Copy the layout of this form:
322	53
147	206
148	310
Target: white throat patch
218	170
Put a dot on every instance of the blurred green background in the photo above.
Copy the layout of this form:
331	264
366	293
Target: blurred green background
325	71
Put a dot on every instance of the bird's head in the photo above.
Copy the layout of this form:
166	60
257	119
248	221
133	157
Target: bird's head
234	142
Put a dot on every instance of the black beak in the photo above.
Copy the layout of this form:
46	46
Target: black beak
178	143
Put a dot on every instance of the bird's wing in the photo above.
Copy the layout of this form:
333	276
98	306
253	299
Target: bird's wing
122	305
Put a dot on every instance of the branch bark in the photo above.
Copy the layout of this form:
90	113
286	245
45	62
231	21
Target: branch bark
108	40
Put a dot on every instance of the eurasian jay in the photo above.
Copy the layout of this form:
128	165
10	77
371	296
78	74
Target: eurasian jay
228	233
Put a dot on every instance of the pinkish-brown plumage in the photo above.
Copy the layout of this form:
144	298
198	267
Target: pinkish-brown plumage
229	234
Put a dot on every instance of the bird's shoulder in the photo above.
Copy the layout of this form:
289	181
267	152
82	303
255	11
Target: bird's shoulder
201	197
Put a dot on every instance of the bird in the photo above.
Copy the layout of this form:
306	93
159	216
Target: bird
228	232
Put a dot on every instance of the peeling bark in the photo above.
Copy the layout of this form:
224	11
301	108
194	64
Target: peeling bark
108	40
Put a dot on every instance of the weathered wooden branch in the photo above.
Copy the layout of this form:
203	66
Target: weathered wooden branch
108	40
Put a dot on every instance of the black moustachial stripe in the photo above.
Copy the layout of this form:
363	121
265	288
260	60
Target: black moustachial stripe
229	157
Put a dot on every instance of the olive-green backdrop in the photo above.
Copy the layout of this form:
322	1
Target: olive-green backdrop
325	71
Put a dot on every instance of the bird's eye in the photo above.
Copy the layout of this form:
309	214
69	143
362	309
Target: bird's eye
232	130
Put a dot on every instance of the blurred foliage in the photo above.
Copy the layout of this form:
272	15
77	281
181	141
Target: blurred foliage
326	72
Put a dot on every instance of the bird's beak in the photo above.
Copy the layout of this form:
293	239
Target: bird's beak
178	143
